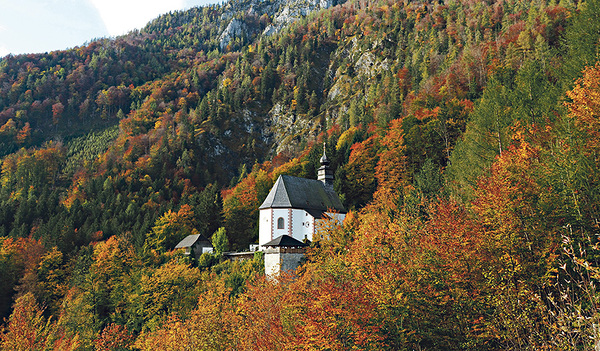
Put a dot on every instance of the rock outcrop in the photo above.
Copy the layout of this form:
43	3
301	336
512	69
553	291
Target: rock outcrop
282	12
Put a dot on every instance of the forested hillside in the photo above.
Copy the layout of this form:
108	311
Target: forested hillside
465	135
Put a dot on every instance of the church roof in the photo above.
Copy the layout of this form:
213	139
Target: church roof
190	240
302	193
285	240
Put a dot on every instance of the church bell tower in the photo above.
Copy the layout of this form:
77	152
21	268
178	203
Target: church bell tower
325	173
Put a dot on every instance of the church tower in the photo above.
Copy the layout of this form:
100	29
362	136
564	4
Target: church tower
325	173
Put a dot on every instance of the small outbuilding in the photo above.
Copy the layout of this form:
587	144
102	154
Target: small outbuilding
195	245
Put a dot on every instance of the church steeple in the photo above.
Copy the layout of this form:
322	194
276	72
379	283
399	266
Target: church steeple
325	173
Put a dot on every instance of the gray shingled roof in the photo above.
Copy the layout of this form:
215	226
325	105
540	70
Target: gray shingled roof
302	193
190	240
285	240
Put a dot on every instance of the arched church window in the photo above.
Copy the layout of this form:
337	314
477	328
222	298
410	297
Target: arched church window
280	223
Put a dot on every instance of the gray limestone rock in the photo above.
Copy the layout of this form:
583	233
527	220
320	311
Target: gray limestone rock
234	28
283	13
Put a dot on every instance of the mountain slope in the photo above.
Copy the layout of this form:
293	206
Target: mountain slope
190	114
114	151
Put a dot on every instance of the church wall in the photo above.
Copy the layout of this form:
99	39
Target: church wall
302	225
264	226
267	229
281	213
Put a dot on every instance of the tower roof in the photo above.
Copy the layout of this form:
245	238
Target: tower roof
325	173
285	240
324	161
302	193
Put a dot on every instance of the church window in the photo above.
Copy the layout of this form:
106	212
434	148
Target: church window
280	223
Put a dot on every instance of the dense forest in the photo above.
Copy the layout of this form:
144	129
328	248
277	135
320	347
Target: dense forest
466	141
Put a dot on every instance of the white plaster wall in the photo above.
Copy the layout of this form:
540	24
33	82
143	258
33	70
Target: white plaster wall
272	264
280	212
264	226
303	224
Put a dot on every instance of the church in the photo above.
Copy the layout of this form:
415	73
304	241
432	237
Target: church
295	205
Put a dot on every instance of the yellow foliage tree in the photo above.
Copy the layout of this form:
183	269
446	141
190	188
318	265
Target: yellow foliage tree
169	229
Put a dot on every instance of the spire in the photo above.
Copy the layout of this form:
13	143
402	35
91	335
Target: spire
324	161
325	174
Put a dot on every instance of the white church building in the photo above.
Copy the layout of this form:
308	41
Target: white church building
295	205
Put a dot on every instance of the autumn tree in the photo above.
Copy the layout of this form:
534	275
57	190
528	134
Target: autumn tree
359	182
19	259
240	208
109	278
391	169
332	311
169	229
51	276
212	325
57	112
265	320
219	241
114	337
522	237
570	178
28	329
160	292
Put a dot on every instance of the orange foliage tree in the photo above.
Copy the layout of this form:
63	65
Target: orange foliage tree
511	207
332	312
19	259
391	167
266	321
240	207
576	157
424	276
28	329
170	288
359	181
113	337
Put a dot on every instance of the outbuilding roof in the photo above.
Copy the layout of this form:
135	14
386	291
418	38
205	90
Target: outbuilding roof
302	193
190	240
285	240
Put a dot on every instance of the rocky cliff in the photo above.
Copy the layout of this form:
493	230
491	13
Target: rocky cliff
279	12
